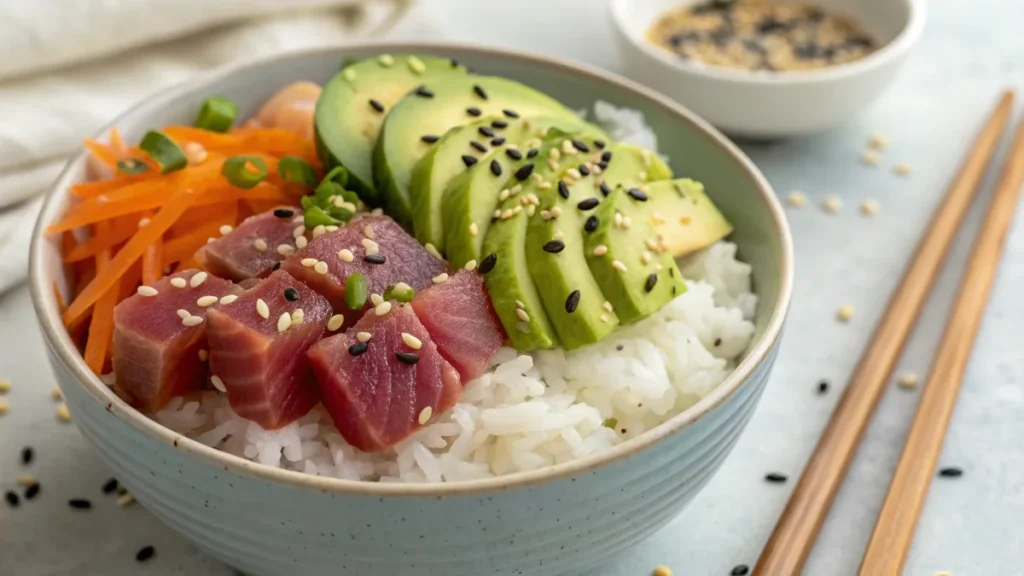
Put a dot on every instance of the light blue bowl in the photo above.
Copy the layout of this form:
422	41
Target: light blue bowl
559	520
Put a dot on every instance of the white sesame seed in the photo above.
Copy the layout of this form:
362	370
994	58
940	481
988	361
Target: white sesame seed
531	210
345	255
321	267
206	301
516	189
260	245
204	355
552	165
363	337
554	154
607	306
556	211
300	230
507	213
645	257
26	480
545	214
319	230
471	265
503	195
262	309
474	229
178	282
218	384
377	211
908	381
125	500
301	242
537	178
146	291
574	173
658	267
618	266
308	262
197	280
416	65
368	231
657	219
844	313
228	299
568	148
382	308
870	207
600	250
56	394
298	219
284	322
869	158
63	414
331	228
370	246
878	141
645	154
182	313
335	322
643	188
225	230
796	199
442	277
604	318
627	223
522	315
5	386
832	204
617	219
285	249
425	415
411	341
432	250
642	176
558	235
192	321
298	316
902	169
376	299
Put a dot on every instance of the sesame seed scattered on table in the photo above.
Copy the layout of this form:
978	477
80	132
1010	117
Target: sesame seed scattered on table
907	381
870	207
878	141
662	571
63	414
844	313
796	199
902	169
870	158
832	204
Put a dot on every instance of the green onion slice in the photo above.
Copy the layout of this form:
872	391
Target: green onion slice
132	166
244	172
217	114
314	216
404	294
164	151
356	291
295	170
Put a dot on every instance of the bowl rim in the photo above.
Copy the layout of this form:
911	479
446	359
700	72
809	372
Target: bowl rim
63	351
889	53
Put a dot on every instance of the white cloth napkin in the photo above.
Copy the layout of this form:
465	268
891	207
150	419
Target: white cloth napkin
70	66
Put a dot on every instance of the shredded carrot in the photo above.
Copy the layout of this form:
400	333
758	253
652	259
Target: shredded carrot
185	246
120	231
93	189
153	262
62	305
102	324
116	142
104	153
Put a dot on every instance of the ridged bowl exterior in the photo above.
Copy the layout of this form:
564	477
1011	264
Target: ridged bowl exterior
274	523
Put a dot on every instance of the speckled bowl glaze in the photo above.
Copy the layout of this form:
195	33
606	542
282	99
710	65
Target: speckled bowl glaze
559	520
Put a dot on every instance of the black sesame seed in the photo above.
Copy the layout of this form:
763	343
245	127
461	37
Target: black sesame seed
487	264
514	154
374	258
606	156
430	138
454	63
12	499
376	105
600	144
584	171
500	124
510	113
291	294
473	111
602	165
554	246
672	272
532	152
775	477
110	486
563	189
424	92
951	472
741	570
605	189
27	455
284	213
652	281
80	504
581	146
358	348
619	347
479	91
145	554
468	160
637	194
591	224
498	141
32	491
524	172
823	387
408	357
718	342
478	146
495	167
277	266
588	203
572	301
486	131
674	290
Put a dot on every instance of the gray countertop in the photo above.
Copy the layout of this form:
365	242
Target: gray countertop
971	525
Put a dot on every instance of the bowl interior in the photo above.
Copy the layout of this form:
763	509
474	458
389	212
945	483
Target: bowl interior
694	148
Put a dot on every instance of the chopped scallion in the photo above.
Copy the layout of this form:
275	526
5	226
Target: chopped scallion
244	172
217	114
404	294
295	170
168	155
356	291
132	166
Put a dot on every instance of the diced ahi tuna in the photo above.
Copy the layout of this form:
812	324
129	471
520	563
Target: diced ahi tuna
394	257
461	320
158	335
380	391
253	248
260	355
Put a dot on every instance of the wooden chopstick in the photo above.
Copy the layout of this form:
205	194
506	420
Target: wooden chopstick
794	535
894	531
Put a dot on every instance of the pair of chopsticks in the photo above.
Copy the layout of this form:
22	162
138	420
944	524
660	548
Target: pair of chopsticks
794	535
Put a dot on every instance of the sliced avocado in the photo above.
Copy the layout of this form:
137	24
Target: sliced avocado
685	219
432	110
353	105
455	187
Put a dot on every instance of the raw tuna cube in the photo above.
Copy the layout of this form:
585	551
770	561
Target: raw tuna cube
158	335
253	248
259	354
382	390
404	260
461	320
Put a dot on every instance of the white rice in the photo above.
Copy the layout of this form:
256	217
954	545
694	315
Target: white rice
530	410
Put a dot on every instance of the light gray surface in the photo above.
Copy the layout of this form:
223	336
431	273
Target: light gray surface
971	526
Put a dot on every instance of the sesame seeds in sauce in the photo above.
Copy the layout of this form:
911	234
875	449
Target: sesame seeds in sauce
411	341
225	230
192	321
572	301
308	262
430	138
377	106
479	91
488	263
369	246
203	354
374	258
588	204
468	160
524	172
197	280
364	336
425	415
301	242
146	291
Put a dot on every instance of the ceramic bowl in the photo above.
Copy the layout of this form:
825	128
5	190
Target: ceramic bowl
766	104
560	520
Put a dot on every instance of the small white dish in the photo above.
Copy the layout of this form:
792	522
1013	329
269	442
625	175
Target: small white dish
772	104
